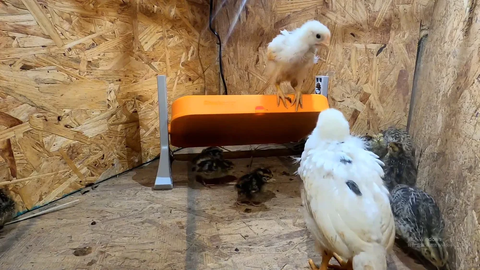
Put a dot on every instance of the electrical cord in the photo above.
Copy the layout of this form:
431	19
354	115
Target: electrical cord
219	49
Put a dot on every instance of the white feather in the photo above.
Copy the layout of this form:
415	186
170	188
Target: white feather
340	220
287	48
292	53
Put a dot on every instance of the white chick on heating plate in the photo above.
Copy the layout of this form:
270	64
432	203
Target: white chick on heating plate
291	54
347	206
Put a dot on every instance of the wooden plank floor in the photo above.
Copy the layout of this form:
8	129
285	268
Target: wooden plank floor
124	224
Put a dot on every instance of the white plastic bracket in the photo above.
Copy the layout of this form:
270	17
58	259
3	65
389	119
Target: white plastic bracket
321	85
164	173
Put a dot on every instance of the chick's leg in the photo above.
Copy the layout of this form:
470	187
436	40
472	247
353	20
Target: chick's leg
281	96
297	100
349	265
324	266
312	265
340	261
202	181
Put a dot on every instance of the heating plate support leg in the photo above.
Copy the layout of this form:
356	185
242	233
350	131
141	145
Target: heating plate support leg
164	173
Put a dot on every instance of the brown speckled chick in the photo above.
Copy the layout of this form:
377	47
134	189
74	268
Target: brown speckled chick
397	135
419	223
399	167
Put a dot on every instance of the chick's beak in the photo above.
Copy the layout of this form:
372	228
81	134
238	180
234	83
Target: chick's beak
271	180
326	42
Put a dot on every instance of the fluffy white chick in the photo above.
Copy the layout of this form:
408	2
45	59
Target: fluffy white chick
291	54
346	204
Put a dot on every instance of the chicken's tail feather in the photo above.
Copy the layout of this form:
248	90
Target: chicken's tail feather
373	257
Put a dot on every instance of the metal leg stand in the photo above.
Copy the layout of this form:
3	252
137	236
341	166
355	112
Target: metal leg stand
164	173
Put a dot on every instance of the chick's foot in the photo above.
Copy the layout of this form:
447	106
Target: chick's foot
297	101
281	96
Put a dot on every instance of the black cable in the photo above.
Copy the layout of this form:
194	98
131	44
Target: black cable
219	49
176	150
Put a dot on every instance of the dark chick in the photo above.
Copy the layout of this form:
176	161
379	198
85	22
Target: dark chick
252	183
210	164
210	152
399	167
7	208
379	143
376	144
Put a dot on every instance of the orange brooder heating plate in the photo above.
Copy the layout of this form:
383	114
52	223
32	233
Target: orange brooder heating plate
213	120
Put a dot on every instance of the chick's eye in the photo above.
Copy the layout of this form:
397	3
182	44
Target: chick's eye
319	36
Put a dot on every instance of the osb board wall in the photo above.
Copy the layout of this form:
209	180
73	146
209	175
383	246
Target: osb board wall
370	62
78	91
446	128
